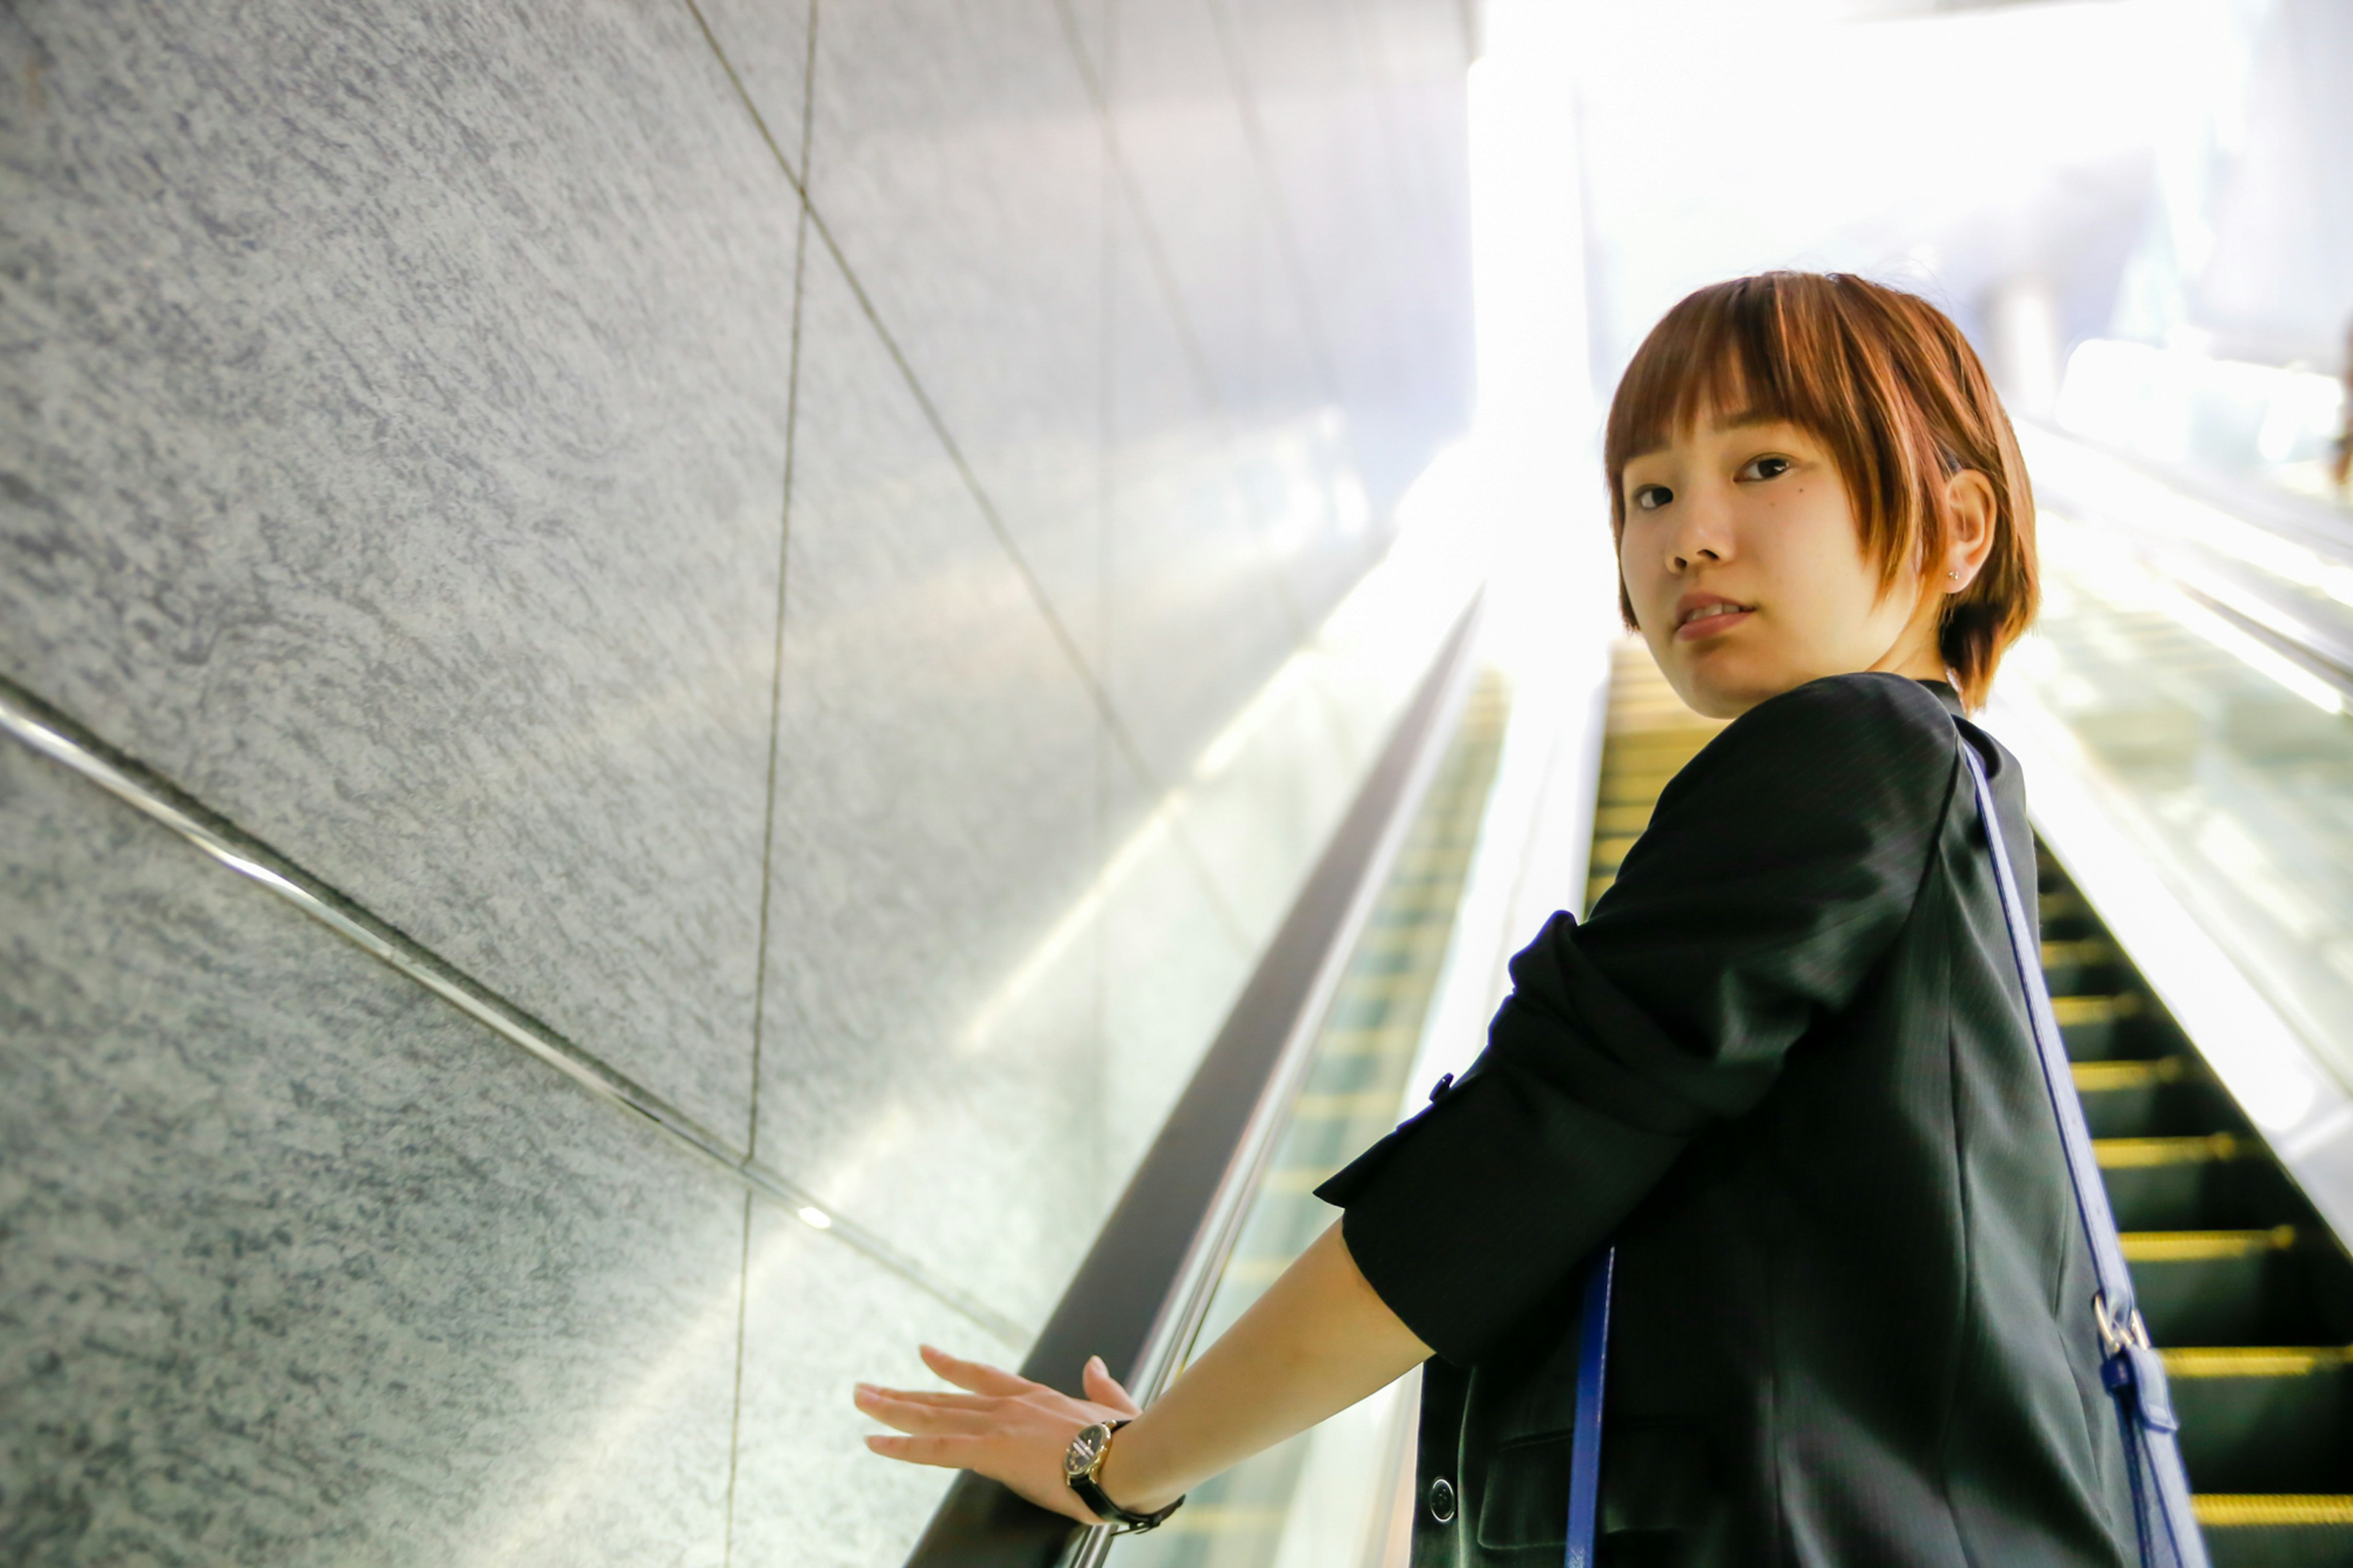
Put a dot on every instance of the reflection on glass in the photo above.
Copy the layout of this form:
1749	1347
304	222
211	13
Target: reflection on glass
1313	1502
2275	424
2228	764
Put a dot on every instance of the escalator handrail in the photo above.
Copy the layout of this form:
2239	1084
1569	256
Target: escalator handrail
1139	1295
2241	592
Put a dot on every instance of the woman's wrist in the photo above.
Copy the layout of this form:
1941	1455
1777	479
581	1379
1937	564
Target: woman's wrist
1128	1476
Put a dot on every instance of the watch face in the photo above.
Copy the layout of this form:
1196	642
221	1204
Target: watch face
1084	1449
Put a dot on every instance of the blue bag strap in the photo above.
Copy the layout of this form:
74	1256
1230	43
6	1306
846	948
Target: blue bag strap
1585	1450
2131	1370
2099	1223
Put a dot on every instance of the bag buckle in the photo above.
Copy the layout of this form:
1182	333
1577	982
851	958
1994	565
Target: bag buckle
2116	1336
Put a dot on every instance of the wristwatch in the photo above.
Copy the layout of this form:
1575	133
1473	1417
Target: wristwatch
1082	1468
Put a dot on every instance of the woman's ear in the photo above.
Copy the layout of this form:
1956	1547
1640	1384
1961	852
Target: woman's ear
1969	500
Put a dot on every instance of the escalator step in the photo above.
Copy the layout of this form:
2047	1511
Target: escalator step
2082	964
2151	1098
2106	1076
2205	1245
2208	1182
1608	854
2224	1286
2099	1027
2276	1417
2277	1530
2141	1153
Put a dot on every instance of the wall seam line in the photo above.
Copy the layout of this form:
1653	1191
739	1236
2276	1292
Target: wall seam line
1130	191
736	1413
1060	630
1278	202
1056	626
743	95
777	687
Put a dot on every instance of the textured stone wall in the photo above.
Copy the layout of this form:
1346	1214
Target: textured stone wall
782	545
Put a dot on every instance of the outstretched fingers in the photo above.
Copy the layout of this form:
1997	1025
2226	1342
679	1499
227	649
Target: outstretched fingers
928	1414
934	1396
979	1377
952	1452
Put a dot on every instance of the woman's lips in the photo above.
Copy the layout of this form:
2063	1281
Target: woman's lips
1712	621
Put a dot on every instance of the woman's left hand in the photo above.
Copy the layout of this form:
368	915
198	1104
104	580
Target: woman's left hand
1003	1426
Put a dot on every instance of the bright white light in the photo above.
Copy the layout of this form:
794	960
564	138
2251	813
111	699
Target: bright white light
2254	654
1527	229
815	1218
2152	399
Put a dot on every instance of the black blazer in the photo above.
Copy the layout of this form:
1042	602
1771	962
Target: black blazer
1786	1065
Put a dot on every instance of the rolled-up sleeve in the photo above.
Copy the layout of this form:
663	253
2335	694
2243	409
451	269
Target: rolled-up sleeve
1777	869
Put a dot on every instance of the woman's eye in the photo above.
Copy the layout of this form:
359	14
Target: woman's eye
1651	497
1765	468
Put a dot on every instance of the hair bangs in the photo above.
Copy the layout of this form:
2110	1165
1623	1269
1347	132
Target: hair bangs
1888	384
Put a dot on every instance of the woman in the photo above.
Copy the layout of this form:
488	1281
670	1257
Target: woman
1784	1066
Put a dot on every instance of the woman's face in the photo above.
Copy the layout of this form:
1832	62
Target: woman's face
1748	574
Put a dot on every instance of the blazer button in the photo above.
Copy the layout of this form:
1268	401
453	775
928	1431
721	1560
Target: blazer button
1441	1086
1442	1500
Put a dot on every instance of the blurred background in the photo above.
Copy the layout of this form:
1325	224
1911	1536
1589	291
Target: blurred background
702	688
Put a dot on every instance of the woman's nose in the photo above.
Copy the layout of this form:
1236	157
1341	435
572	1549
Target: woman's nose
1700	538
1695	546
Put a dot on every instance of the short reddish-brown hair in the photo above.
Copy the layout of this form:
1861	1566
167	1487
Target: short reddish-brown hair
1887	383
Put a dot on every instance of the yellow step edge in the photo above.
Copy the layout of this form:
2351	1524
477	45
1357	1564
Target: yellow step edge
1376	986
1612	851
2140	1153
2090	949
2203	1246
1417	936
1395	1039
2255	1360
2097	1077
2225	1511
2093	1009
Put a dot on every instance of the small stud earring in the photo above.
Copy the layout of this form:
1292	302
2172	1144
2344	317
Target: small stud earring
1956	576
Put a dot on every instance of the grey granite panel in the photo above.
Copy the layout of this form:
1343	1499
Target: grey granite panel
818	1319
959	162
1175	958
1182	135
1418	52
766	43
1199	617
929	1060
391	451
1340	162
1209	203
303	1267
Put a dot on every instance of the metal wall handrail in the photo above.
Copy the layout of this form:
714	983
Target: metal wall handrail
1139	1296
